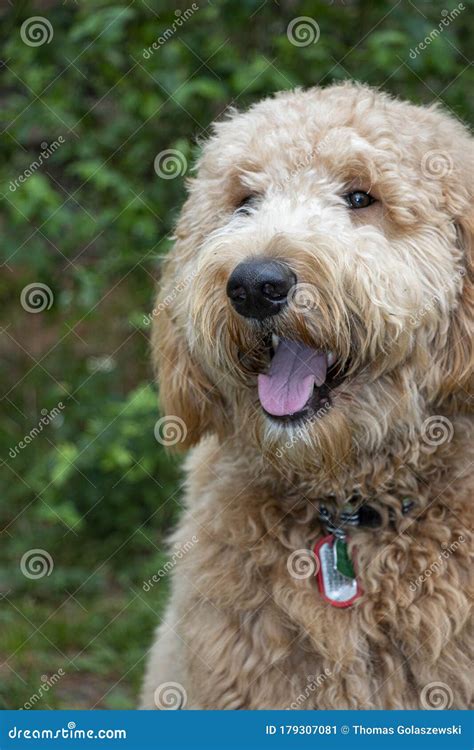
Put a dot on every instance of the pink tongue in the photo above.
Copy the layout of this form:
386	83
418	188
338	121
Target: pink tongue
293	372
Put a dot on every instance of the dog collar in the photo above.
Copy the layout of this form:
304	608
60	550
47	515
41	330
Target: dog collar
335	571
354	514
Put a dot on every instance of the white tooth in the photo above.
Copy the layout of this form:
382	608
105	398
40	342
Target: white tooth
331	358
275	341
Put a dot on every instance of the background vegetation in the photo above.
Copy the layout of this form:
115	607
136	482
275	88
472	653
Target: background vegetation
95	489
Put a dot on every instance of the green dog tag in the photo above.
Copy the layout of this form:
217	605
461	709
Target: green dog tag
343	561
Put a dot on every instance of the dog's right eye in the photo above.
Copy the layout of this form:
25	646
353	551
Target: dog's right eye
245	204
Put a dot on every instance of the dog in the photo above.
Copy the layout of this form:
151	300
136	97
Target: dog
314	344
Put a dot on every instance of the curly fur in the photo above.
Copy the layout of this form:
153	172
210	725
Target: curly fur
394	287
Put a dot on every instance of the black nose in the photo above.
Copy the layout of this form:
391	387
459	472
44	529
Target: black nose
259	287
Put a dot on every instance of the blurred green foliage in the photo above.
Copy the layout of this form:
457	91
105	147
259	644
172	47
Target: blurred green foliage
95	488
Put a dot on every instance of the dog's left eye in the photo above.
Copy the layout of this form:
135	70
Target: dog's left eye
359	199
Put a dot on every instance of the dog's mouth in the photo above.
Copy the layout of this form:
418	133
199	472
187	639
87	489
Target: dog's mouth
299	381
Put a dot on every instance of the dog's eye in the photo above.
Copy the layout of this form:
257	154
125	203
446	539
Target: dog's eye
359	199
245	204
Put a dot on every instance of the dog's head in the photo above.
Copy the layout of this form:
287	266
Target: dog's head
321	280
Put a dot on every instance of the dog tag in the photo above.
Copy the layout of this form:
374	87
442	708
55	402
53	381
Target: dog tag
336	588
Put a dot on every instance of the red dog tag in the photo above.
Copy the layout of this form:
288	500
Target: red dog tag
336	588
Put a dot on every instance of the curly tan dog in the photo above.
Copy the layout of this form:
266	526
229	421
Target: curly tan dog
314	343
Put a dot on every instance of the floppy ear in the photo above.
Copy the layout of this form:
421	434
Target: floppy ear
184	390
456	387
